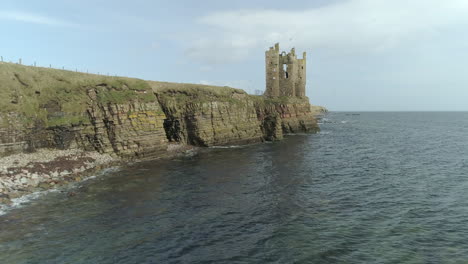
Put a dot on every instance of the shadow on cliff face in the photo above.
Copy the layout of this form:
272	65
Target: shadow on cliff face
172	128
270	127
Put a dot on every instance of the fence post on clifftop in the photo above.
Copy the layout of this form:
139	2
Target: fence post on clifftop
2	58
20	61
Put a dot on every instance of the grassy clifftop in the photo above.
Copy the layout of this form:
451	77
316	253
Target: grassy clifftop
60	97
189	88
34	92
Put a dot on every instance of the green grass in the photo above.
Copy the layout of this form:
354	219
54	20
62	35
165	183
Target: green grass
198	89
29	90
121	91
186	94
67	120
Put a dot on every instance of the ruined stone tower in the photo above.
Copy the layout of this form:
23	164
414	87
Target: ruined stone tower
285	73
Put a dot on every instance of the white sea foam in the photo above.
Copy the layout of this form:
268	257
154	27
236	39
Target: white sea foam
297	134
3	209
109	170
26	199
226	147
89	178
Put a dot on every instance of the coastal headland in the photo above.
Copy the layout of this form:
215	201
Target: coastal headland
57	125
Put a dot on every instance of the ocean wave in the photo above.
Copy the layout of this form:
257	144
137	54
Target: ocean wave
328	121
108	170
26	199
297	134
226	147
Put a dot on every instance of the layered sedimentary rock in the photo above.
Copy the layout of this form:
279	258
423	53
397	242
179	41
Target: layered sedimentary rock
127	129
134	118
199	118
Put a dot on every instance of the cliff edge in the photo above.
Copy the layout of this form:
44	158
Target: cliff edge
58	126
125	117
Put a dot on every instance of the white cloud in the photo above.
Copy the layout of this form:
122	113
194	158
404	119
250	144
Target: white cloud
214	51
155	45
33	18
205	82
206	68
351	25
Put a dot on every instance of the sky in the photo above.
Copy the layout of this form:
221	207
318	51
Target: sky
362	55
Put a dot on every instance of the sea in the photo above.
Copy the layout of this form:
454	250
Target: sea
371	187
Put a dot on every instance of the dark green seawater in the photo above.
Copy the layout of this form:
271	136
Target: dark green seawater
370	188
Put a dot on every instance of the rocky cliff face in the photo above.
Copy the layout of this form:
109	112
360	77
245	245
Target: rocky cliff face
132	118
201	119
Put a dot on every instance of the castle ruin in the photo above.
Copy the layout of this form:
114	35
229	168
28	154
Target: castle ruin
285	73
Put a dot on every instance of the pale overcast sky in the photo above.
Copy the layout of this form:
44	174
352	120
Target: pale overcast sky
391	55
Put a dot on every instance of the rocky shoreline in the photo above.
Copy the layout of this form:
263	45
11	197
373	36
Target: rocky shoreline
26	173
22	174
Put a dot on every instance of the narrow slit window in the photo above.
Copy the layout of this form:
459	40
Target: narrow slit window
285	69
